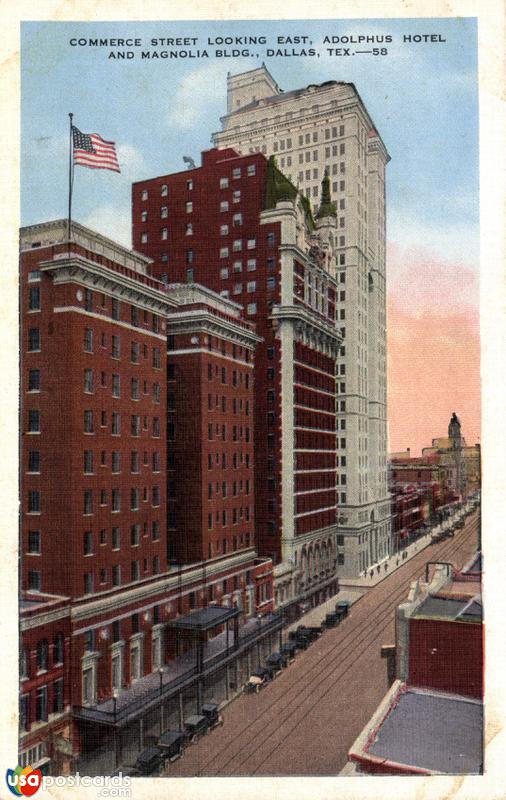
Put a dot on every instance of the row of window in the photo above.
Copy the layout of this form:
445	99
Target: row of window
88	498
135	384
135	423
237	432
237	377
41	705
35	539
116	310
223	517
237	405
164	190
136	572
241	459
42	656
237	488
135	461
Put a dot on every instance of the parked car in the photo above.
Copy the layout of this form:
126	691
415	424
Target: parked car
172	743
149	761
300	638
258	679
288	650
331	620
342	609
277	660
212	713
195	727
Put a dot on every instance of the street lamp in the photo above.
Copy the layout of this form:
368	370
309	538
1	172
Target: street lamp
160	673
115	703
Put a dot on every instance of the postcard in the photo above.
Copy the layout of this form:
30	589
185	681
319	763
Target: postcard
254	347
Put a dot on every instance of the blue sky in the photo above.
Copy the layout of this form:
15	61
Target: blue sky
423	98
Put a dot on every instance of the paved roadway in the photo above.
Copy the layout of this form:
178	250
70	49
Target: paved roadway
305	721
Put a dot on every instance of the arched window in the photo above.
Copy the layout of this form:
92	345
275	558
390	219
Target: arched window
42	650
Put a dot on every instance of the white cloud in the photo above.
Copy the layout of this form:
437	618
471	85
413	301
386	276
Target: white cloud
111	221
131	161
194	92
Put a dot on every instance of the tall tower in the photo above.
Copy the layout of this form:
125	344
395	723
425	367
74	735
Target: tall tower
325	131
454	432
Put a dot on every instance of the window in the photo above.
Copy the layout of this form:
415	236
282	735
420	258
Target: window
144	216
88	543
58	705
156	393
115	385
251	308
41	704
251	264
34	340
116	538
144	194
88	462
237	288
251	286
237	245
223	230
115	423
135	534
224	273
237	220
189	276
116	500
224	205
88	502
164	212
156	357
236	196
134	388
34	380
116	575
223	252
189	229
88	381
271	283
156	426
34	276
88	340
134	571
155	496
223	183
252	167
34	461
88	300
134	499
189	207
115	308
34	580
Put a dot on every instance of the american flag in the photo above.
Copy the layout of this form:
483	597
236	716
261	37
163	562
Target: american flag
90	150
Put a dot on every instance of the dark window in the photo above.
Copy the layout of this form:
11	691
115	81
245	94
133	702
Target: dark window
58	648
34	380
42	654
34	541
41	704
58	696
116	630
34	581
34	339
34	461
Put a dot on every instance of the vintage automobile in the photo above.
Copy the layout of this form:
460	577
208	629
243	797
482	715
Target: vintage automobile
342	609
312	633
171	744
150	761
288	650
277	660
315	630
212	713
195	726
258	679
331	620
300	638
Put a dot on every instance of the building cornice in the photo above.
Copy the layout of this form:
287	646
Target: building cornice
74	268
175	580
308	328
205	322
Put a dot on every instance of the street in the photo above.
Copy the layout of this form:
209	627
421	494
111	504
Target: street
304	722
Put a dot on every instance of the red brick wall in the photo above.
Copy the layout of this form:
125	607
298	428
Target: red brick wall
446	655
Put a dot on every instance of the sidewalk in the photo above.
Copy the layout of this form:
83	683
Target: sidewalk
387	566
315	616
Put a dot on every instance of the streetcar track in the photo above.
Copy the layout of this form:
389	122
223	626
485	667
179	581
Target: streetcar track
350	641
337	666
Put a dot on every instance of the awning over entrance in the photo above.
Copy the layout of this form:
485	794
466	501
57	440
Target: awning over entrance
204	619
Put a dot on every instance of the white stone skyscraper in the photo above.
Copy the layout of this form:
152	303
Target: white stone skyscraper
313	130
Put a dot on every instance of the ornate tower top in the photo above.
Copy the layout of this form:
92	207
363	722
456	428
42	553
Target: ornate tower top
327	207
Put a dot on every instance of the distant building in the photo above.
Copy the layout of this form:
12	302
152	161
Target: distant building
461	462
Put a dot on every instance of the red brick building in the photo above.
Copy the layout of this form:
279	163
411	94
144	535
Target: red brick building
116	404
239	227
45	702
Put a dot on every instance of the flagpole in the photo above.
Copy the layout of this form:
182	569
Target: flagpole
70	178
